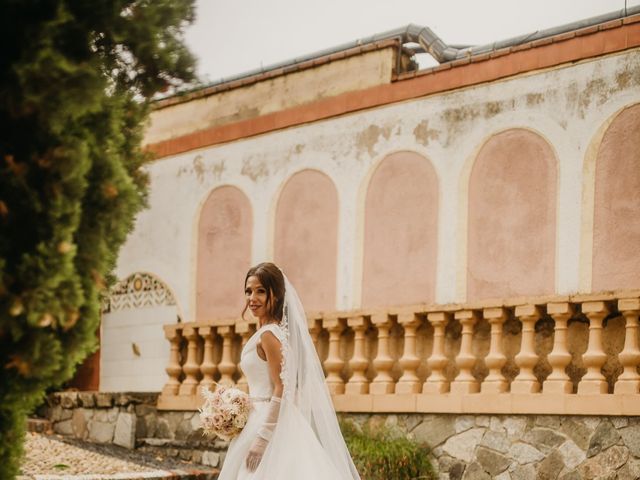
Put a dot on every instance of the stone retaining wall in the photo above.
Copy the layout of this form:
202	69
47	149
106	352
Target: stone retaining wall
464	447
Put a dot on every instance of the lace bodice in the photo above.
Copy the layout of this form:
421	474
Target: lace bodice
255	369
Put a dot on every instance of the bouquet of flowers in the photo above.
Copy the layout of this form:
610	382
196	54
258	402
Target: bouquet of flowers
225	412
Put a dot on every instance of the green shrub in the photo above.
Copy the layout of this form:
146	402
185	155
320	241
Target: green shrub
378	455
77	77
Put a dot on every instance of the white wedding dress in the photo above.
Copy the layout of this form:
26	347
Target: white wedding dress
294	452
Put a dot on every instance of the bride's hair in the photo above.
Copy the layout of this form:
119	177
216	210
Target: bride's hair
272	280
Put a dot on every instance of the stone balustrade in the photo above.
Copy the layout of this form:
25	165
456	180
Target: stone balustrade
546	355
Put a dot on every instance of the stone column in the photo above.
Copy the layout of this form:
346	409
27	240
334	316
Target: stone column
436	382
593	382
495	360
208	367
173	334
226	367
526	359
191	367
333	364
464	381
358	383
629	381
383	382
409	362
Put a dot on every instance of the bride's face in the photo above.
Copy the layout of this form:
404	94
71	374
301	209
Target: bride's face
256	296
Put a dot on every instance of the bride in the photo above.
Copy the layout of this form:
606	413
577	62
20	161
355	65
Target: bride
292	431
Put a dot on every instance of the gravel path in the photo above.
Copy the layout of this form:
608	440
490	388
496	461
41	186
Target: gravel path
52	457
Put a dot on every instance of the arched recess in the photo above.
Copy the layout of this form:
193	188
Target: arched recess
616	226
512	217
224	253
306	237
400	232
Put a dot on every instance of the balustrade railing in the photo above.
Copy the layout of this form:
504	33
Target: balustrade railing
557	355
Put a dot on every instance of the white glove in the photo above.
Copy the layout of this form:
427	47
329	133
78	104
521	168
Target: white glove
265	432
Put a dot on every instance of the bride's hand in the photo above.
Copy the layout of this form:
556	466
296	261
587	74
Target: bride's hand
255	454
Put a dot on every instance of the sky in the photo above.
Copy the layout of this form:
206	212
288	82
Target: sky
230	37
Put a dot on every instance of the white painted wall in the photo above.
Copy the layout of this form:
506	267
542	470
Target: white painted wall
563	105
121	370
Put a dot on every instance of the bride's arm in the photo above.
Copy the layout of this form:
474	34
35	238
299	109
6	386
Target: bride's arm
271	347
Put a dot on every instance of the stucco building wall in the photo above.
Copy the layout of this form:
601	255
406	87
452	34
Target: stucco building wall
566	109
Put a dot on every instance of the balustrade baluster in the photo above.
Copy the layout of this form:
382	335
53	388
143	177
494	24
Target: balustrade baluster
227	366
383	381
465	382
409	362
358	383
436	382
333	364
594	358
173	334
208	367
191	367
629	380
495	382
558	381
315	327
526	359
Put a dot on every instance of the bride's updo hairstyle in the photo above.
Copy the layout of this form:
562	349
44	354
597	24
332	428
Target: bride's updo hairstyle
272	280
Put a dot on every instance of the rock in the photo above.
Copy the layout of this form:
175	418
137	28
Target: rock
435	432
445	462
81	417
604	437
464	422
544	439
524	472
572	455
211	459
63	428
69	400
515	427
573	475
495	425
548	421
463	445
577	431
496	441
104	400
86	399
145	409
101	432
630	470
631	437
604	463
125	432
550	467
195	422
620	422
196	456
483	421
492	462
524	453
185	455
503	476
475	472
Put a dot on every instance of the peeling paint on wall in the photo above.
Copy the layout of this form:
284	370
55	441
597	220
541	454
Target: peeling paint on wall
423	134
254	170
367	138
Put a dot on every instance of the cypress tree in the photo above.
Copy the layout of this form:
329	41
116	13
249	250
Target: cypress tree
76	80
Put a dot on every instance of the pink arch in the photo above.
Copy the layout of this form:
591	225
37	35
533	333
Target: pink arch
616	228
400	234
512	217
306	237
224	253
